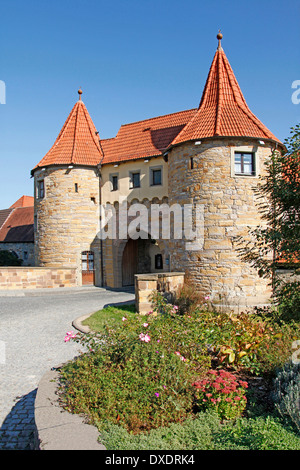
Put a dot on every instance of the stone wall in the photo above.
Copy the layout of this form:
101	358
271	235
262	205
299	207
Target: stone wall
145	284
36	278
230	209
67	217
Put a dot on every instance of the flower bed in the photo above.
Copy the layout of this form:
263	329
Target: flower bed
163	369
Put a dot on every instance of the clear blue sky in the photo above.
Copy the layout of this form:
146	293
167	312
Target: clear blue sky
134	59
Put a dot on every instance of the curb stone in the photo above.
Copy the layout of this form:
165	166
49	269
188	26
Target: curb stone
57	429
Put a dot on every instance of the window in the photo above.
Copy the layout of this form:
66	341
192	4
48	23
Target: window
135	180
155	176
76	187
244	163
114	183
192	163
41	189
87	261
158	261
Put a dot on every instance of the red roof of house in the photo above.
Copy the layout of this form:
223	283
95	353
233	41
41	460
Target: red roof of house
24	201
150	137
223	110
4	213
18	226
77	142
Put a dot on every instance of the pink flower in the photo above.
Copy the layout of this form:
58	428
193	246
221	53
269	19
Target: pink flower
145	338
145	324
182	358
156	394
177	353
124	318
69	335
207	297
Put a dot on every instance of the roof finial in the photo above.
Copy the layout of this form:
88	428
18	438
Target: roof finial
219	37
80	93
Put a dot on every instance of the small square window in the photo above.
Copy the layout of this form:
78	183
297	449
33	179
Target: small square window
156	177
135	181
41	189
244	163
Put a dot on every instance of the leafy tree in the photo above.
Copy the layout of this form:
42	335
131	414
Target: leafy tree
277	244
7	258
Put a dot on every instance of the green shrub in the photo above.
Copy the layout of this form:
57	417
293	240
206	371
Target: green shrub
138	374
287	393
7	258
288	301
192	434
260	433
205	432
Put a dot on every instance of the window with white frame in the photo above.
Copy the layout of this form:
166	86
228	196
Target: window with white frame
244	163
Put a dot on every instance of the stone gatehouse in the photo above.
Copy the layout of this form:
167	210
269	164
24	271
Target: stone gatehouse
210	157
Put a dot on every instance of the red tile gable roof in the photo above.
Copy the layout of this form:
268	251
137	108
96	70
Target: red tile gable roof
4	213
145	138
77	142
223	110
19	226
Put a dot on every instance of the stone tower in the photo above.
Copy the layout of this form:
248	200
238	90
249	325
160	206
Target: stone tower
216	162
67	195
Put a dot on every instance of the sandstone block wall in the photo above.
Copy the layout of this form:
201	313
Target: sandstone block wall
67	218
34	278
230	209
145	284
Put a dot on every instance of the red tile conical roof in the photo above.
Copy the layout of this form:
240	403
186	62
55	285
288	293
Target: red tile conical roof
77	142
24	201
223	110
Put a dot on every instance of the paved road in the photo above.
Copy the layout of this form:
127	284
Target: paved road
32	330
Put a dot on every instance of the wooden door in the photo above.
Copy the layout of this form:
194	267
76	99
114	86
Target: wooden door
88	271
129	262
